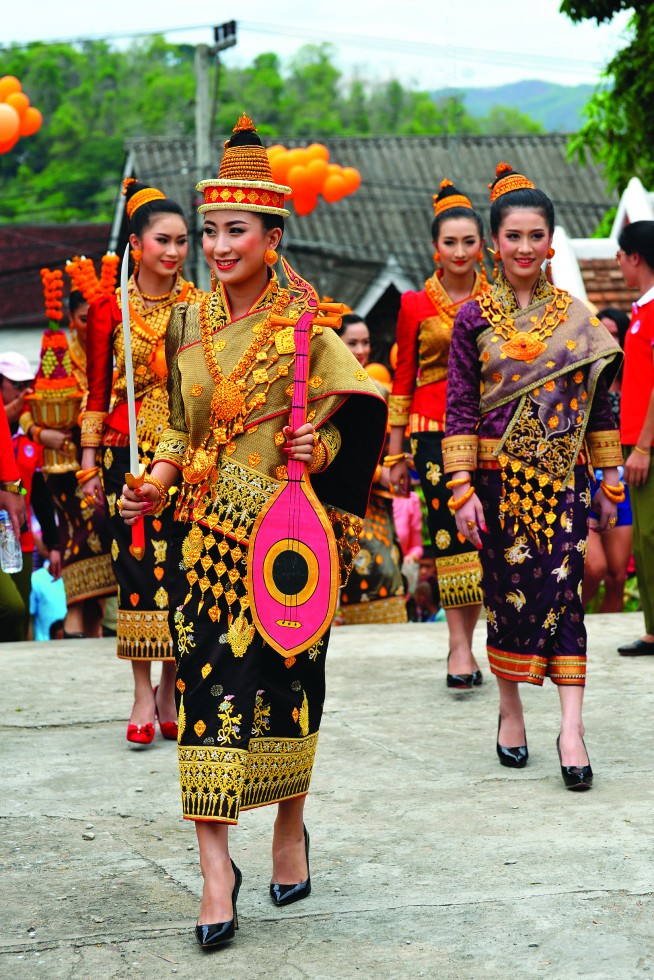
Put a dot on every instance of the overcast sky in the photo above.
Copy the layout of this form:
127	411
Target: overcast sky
430	45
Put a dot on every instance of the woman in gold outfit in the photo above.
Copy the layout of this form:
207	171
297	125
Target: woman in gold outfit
159	239
248	717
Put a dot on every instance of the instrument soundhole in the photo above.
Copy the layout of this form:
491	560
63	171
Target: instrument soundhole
290	572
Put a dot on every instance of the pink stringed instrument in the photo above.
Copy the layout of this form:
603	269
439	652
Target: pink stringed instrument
293	568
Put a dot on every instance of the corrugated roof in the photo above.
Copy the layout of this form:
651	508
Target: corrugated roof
605	285
341	247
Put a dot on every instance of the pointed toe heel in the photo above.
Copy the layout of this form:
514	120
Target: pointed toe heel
287	894
213	935
514	757
576	778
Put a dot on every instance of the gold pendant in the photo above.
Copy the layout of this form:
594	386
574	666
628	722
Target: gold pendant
523	347
199	465
227	400
285	341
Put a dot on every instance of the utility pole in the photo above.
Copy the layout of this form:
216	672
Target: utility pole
205	108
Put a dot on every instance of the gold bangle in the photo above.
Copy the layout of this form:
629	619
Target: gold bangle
643	452
615	494
163	494
455	504
36	431
392	460
462	480
83	476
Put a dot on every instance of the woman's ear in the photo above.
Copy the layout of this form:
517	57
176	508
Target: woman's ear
274	237
135	241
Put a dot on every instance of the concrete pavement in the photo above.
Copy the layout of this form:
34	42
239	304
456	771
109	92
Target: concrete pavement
428	858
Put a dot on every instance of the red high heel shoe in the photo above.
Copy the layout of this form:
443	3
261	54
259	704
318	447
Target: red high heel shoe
168	728
140	735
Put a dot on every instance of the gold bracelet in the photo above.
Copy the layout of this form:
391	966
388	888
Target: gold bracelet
392	460
163	494
83	476
451	484
35	433
615	494
643	452
455	505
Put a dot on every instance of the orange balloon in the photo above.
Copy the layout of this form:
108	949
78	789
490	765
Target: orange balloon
379	372
305	203
280	165
274	151
9	123
317	151
317	170
9	84
297	156
299	179
334	188
334	168
393	356
19	101
7	145
31	122
352	178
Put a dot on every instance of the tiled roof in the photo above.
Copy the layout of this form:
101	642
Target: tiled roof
341	247
605	285
24	250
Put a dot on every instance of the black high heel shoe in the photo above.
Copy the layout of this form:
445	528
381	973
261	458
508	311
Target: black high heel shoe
287	894
575	777
215	934
464	682
515	757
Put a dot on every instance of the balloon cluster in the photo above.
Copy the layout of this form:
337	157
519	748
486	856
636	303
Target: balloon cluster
17	117
309	173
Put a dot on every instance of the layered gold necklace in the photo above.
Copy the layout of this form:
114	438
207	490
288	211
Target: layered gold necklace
525	345
233	401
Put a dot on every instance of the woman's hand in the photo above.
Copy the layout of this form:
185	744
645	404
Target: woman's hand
54	557
607	513
636	469
470	520
400	483
93	490
135	504
299	444
58	439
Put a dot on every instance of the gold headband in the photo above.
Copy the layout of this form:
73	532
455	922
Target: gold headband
508	183
143	197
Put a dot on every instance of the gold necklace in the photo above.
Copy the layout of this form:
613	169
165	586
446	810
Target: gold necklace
446	309
157	299
229	403
525	345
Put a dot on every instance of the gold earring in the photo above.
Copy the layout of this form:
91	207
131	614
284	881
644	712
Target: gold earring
137	255
496	263
270	256
180	268
482	268
214	281
437	257
551	253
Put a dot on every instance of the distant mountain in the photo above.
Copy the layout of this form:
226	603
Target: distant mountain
556	107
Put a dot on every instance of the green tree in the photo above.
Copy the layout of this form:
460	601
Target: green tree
619	119
504	120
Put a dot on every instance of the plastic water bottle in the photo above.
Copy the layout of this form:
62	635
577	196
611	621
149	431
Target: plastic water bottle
11	556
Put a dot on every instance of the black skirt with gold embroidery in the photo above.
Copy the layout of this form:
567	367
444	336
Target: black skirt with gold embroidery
142	629
248	718
457	563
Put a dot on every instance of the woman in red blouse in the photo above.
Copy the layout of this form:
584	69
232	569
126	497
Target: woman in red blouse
424	330
159	240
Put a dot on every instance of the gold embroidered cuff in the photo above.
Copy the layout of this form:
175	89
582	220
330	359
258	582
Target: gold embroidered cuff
399	408
26	421
487	449
92	424
604	448
318	460
331	440
460	453
172	447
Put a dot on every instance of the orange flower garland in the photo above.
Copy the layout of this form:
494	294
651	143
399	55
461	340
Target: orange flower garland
85	280
53	290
